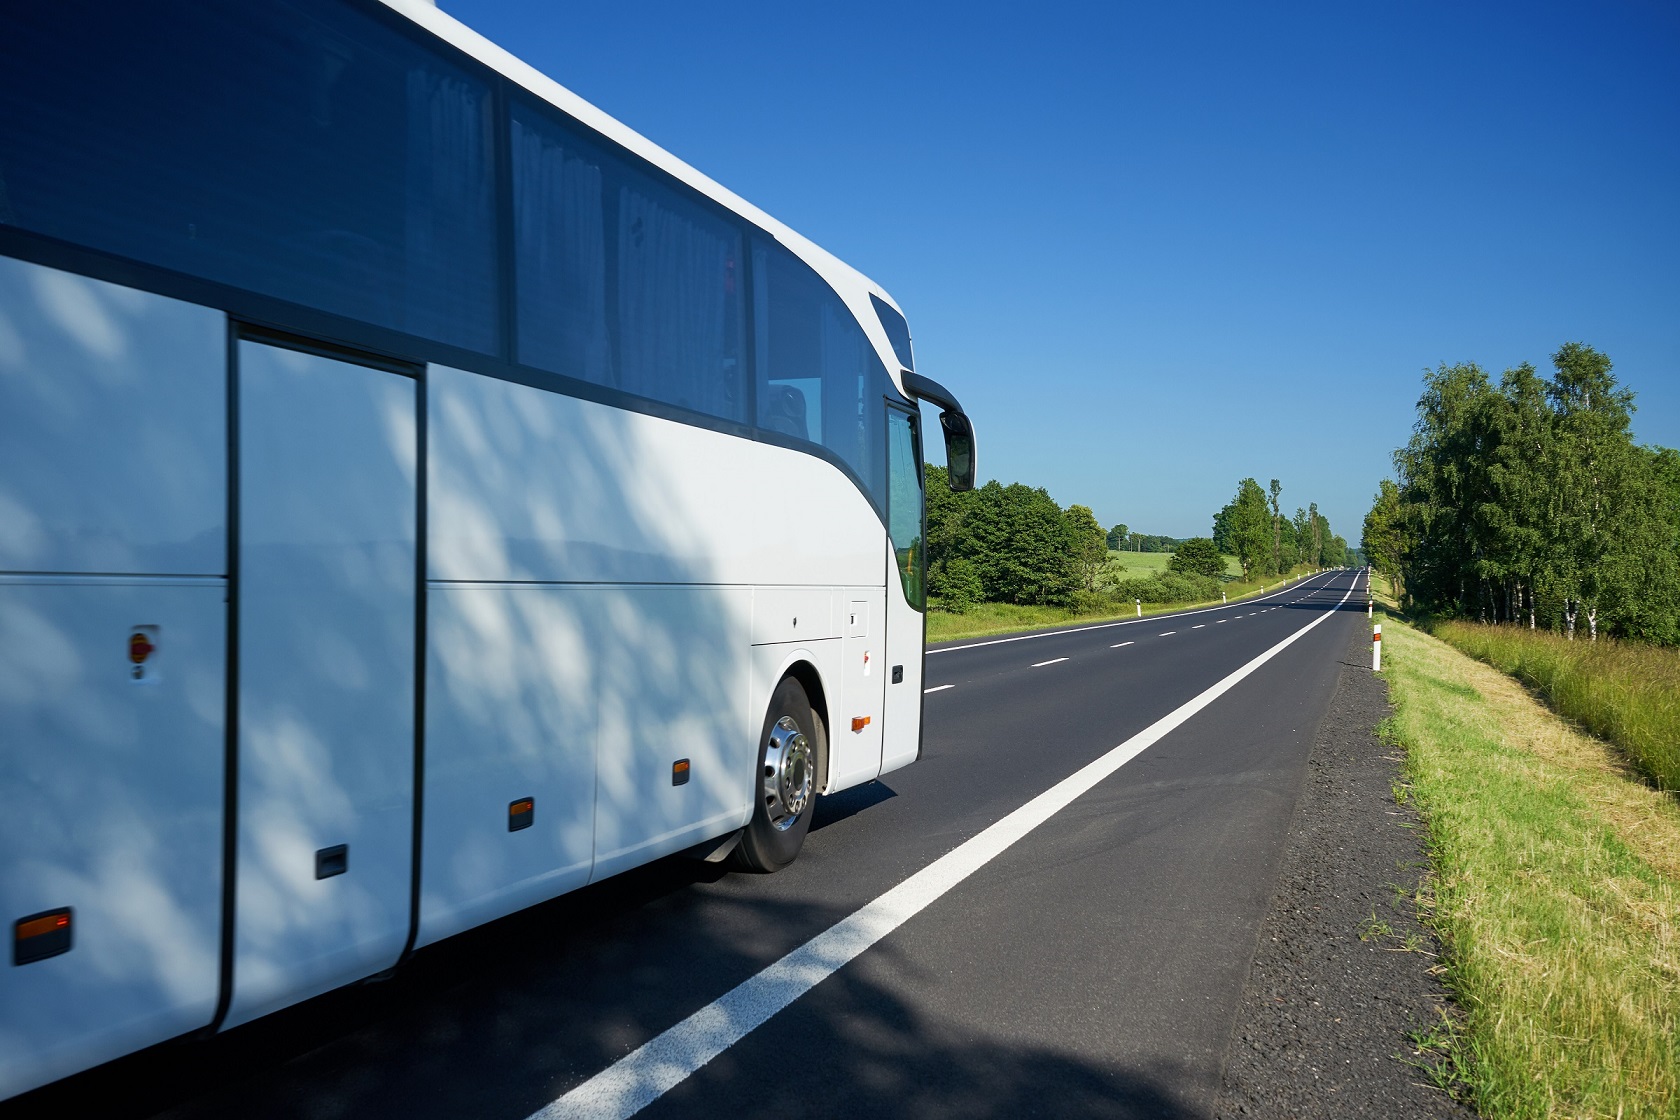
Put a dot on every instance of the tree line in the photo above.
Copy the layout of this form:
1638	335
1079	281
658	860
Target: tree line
1529	502
1253	527
1014	544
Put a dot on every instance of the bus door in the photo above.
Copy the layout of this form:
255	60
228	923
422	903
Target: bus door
326	607
906	588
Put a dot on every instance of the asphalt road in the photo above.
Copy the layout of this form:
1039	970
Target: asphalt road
1092	968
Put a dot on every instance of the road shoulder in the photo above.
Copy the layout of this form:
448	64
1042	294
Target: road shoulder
1342	977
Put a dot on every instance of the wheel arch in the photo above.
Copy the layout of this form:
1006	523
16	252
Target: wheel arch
803	669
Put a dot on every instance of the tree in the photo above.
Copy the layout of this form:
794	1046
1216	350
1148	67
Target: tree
1316	527
1246	525
1529	503
1087	543
1384	533
1020	545
1277	527
1117	537
1199	556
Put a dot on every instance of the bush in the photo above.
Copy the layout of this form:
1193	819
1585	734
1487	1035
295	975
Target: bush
1167	587
956	583
1198	556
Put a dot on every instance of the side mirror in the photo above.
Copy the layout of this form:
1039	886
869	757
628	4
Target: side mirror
959	450
959	433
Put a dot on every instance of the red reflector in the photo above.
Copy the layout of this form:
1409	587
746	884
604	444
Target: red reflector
859	722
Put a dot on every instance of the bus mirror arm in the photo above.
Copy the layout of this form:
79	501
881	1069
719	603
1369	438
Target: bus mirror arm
959	432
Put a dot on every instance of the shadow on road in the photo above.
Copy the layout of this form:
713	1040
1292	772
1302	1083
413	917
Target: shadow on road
502	1020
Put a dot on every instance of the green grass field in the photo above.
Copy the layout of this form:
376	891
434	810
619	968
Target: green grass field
1556	892
1144	563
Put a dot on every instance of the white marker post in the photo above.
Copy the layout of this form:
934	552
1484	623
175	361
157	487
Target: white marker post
1222	598
1367	608
1376	648
1139	603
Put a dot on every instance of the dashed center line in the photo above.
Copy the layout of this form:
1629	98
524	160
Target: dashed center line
1199	626
937	688
1052	661
1119	644
1223	621
1168	634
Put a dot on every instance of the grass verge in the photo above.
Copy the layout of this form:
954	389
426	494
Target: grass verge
986	619
1556	894
1626	693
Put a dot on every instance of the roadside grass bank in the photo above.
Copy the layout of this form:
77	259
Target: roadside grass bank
1623	692
984	620
1556	895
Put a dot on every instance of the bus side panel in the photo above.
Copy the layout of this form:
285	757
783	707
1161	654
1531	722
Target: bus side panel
671	668
527	485
113	509
113	414
510	716
110	806
855	738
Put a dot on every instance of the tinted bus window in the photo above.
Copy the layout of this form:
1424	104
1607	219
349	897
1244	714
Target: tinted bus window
818	377
904	504
898	331
294	148
621	280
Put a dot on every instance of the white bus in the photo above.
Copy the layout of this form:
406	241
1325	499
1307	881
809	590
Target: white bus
420	496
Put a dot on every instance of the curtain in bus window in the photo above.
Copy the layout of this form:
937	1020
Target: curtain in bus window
446	179
560	254
678	306
300	149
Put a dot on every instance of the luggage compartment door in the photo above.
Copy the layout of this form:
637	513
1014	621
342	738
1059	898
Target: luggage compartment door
327	516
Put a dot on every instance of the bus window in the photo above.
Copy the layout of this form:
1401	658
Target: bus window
621	280
809	342
298	149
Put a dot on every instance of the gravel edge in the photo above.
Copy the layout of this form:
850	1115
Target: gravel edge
1344	978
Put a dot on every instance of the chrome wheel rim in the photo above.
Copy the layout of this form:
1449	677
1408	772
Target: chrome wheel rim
788	774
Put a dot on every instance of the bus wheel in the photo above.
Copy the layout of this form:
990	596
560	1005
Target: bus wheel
786	782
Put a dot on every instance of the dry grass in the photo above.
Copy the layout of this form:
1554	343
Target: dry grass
1557	893
1624	692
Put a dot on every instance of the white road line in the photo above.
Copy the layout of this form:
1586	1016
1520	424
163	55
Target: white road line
1122	644
1168	634
658	1065
1223	621
1052	661
1083	629
1199	626
937	688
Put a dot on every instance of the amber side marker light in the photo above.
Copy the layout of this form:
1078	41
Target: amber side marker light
521	813
859	722
679	772
40	936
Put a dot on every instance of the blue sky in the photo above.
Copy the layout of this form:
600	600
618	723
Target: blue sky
1156	248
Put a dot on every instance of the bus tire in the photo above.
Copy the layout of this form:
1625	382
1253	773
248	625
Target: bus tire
785	783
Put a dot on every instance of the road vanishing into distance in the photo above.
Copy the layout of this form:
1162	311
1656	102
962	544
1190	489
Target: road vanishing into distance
1052	913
